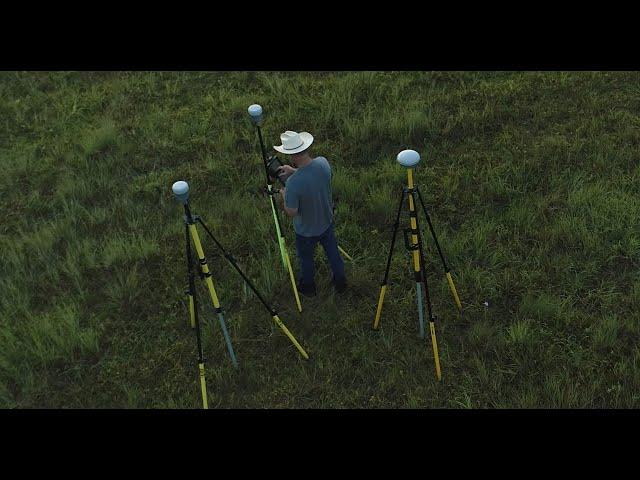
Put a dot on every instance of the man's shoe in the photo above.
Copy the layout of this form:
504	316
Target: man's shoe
307	290
341	286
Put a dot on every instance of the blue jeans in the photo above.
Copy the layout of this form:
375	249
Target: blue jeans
305	246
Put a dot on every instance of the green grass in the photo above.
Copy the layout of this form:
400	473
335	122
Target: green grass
532	181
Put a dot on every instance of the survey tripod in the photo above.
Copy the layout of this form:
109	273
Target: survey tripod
181	191
409	159
255	111
271	165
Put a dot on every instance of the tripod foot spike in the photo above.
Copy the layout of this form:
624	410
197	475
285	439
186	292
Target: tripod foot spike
286	331
376	322
192	315
345	253
203	386
434	344
454	292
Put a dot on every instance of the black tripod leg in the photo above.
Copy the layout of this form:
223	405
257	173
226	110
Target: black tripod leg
383	285
264	153
447	271
271	310
195	322
423	276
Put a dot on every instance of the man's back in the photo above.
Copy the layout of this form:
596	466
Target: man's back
309	190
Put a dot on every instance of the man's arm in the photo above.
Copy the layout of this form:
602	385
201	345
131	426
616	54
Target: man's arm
292	212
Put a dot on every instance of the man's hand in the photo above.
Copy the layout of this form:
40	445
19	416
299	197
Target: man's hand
285	171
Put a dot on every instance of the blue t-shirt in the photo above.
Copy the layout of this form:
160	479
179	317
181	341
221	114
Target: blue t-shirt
309	190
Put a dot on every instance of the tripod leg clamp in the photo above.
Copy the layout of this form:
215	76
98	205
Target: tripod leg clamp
203	262
272	192
408	245
194	219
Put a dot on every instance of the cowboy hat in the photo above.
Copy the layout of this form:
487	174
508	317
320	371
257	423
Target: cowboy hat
293	142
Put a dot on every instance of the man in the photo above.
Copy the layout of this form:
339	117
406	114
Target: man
307	198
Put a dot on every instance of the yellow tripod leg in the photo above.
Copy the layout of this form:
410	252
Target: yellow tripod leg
284	253
434	343
203	386
376	322
291	337
345	253
292	277
383	284
452	286
205	266
454	292
192	315
212	291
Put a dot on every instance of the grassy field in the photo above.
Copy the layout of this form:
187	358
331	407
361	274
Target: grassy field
532	180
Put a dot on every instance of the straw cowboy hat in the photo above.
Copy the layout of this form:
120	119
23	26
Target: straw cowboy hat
293	142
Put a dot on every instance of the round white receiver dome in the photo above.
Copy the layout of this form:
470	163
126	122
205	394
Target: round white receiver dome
255	111
408	158
181	190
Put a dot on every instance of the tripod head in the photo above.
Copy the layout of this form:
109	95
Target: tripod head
408	158
181	191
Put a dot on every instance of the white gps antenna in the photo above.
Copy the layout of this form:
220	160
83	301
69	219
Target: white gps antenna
181	191
255	112
408	158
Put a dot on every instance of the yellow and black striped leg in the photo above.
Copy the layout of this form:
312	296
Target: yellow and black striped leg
432	326
447	271
383	285
413	247
195	321
204	267
423	277
191	288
